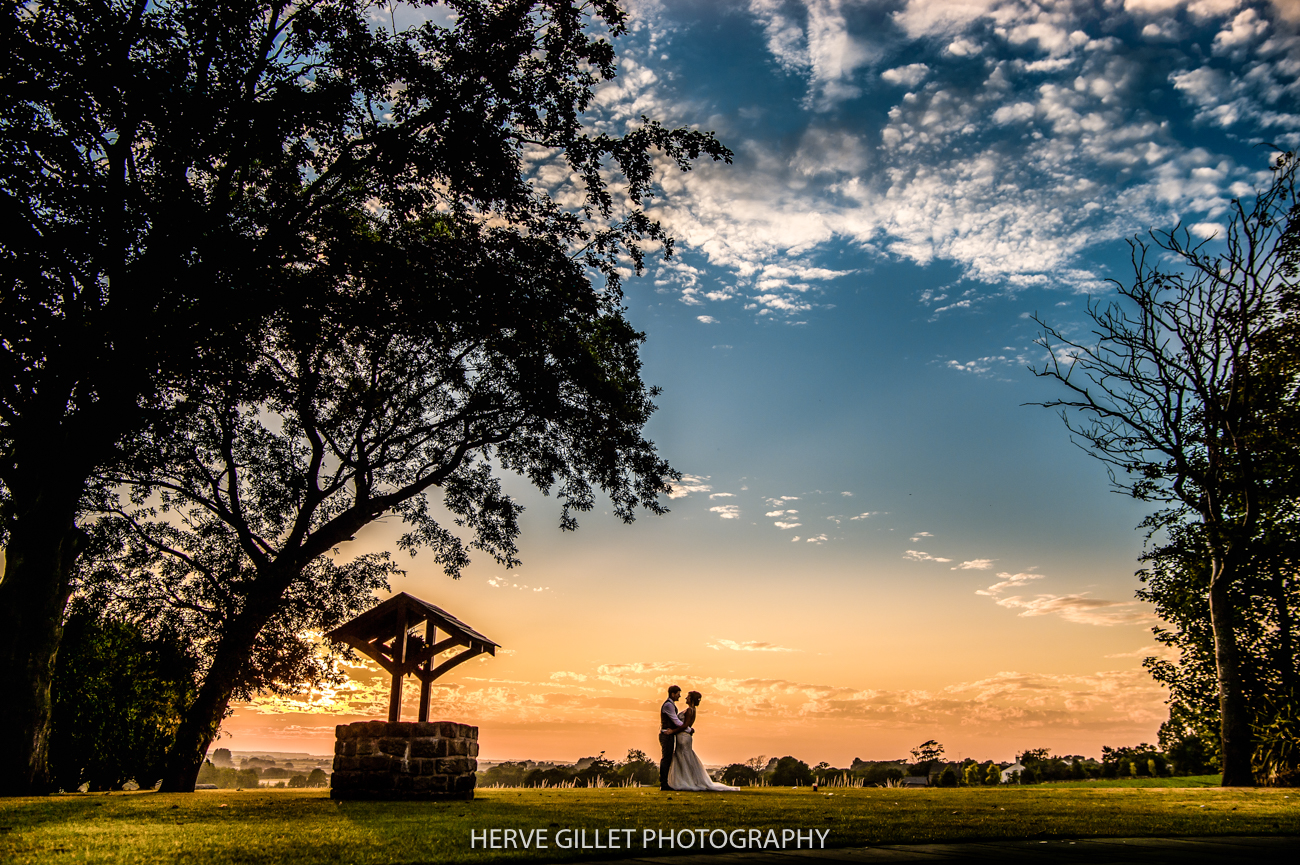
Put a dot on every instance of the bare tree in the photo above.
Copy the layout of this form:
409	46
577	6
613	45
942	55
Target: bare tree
1174	398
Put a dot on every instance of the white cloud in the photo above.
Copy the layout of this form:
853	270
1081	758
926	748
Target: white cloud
639	667
749	646
865	515
982	366
722	495
1077	608
918	556
781	500
689	484
1081	609
781	524
814	41
1008	581
975	564
706	319
726	512
1009	166
1246	28
564	674
908	76
503	583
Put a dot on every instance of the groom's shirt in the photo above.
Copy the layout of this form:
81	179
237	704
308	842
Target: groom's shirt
669	718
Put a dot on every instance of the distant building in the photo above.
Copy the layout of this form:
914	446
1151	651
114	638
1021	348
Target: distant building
1014	768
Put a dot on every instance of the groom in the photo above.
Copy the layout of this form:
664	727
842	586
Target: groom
670	724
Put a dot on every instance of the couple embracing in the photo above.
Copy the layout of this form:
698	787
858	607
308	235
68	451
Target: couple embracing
680	769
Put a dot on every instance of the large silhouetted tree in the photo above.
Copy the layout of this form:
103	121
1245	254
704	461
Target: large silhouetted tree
527	366
177	178
1184	397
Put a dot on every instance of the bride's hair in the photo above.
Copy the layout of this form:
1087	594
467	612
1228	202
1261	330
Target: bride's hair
693	698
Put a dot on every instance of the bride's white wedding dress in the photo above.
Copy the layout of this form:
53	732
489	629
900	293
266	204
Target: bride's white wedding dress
686	772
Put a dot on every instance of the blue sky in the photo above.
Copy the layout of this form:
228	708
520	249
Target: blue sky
876	539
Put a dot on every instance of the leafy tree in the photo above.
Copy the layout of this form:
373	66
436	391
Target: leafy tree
185	174
948	778
825	773
504	775
118	700
360	425
208	773
599	767
221	757
318	778
1277	755
1266	602
1136	761
924	756
994	775
971	774
739	775
875	772
638	769
927	752
790	772
1183	398
298	781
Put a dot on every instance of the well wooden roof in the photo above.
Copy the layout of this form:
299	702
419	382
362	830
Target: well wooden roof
376	633
381	622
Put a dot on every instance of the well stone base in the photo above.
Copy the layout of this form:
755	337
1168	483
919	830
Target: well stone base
404	760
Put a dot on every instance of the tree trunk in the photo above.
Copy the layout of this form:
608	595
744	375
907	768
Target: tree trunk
203	718
43	546
1234	717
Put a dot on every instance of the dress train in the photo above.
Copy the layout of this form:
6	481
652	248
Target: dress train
687	773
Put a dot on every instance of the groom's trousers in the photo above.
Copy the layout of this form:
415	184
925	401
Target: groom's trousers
667	744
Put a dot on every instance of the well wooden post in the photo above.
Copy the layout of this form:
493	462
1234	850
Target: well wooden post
425	681
399	656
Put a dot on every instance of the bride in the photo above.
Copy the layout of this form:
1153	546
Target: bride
686	772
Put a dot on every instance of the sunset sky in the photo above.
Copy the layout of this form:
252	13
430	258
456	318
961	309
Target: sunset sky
876	541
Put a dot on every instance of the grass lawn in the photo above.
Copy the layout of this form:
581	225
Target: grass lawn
1186	781
305	827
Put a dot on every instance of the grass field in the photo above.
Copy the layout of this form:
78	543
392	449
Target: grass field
306	827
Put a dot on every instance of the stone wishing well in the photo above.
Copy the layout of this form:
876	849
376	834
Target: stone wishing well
408	759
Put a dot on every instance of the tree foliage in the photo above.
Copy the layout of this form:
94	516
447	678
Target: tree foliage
119	697
791	772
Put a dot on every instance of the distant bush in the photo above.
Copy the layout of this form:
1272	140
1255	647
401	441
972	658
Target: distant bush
503	775
225	777
637	768
739	775
877	773
791	772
